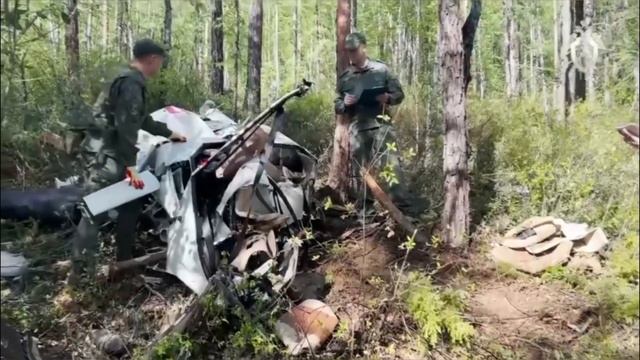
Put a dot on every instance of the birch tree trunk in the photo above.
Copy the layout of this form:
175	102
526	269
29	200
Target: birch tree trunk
562	70
87	31
339	169
217	48
533	86
590	61
166	34
122	28
296	40
129	44
511	53
317	58
105	26
254	59
543	83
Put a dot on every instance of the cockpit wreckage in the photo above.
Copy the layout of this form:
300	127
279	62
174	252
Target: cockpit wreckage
233	195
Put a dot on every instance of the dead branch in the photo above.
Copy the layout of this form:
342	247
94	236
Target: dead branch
113	271
395	213
194	310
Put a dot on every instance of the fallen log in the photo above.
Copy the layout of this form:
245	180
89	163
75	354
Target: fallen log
395	213
113	271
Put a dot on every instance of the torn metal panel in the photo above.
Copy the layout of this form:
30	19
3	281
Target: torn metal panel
119	193
183	259
167	195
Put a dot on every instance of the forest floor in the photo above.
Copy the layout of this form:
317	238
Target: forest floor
366	269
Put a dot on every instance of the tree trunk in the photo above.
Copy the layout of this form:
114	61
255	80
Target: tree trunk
317	60
296	40
129	31
343	18
588	50
166	34
254	59
562	70
479	65
71	41
533	86
455	46
217	48
511	53
540	72
87	31
105	26
578	83
340	156
637	94
237	60
122	28
276	53
353	7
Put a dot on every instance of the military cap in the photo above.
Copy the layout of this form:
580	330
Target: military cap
355	39
146	47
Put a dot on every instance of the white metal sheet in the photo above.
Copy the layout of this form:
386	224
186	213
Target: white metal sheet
119	193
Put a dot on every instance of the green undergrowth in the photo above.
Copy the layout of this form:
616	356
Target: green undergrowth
526	163
228	331
438	313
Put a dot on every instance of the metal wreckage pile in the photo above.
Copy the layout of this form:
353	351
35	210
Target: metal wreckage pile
239	196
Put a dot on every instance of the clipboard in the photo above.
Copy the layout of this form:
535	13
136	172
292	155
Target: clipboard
368	96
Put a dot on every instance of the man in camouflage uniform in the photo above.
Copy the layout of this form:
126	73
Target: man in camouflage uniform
108	151
370	131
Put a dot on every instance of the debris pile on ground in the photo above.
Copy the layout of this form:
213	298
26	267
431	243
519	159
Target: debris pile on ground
539	243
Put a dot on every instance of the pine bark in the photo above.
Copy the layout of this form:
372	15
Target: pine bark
455	47
340	155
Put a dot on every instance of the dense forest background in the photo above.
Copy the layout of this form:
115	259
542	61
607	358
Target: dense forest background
540	78
551	80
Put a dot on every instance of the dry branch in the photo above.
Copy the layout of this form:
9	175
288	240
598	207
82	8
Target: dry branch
113	271
395	213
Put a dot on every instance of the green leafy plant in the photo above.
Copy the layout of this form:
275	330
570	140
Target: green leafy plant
437	315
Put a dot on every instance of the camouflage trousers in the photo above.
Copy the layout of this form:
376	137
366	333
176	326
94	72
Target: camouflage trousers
376	148
100	171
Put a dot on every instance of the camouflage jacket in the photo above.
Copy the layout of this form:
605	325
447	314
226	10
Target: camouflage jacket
353	81
122	107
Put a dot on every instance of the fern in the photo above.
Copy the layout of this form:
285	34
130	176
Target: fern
435	313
